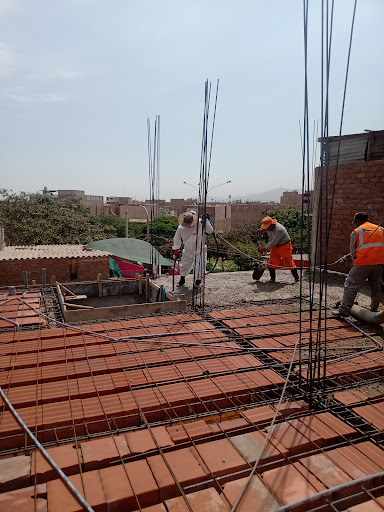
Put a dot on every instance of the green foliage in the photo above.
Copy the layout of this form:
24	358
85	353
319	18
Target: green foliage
222	266
247	234
162	226
245	256
162	231
36	219
134	229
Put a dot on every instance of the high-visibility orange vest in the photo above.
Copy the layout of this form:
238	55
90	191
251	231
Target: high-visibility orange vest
370	245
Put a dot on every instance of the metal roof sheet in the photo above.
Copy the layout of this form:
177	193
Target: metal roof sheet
358	147
32	252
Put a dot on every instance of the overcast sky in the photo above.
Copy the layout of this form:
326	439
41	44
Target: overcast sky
79	78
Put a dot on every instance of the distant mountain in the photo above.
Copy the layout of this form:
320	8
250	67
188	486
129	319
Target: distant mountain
264	197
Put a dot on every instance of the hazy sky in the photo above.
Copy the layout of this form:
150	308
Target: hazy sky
79	78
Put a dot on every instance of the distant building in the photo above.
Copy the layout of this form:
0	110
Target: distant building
294	200
95	204
249	213
118	201
291	198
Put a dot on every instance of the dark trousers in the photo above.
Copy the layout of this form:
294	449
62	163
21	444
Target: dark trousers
272	273
355	279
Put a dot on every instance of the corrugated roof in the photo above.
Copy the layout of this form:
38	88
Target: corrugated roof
359	147
33	252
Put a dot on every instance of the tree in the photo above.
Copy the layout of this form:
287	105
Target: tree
134	229
36	219
163	226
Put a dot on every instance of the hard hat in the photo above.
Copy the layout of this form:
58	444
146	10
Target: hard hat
267	221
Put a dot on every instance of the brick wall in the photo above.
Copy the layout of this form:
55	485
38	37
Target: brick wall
359	188
250	213
11	272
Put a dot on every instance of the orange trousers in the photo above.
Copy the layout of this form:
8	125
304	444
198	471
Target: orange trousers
281	257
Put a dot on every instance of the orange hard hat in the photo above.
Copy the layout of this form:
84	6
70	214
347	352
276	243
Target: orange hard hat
267	221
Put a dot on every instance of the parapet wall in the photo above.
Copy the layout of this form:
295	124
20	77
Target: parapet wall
64	269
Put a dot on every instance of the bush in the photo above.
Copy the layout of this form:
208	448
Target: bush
245	256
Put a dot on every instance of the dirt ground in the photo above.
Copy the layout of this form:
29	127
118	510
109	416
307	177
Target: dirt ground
229	289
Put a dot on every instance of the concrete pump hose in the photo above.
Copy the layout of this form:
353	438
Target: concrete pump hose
367	316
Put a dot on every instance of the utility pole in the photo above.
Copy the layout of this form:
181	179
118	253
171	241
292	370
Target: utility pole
126	224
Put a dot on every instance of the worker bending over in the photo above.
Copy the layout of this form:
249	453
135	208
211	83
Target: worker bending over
367	252
194	255
280	246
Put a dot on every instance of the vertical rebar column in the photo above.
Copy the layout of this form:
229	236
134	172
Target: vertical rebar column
25	277
44	278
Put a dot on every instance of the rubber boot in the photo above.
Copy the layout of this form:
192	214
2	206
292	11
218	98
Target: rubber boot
182	281
295	274
272	273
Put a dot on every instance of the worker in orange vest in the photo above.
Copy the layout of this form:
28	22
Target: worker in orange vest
367	252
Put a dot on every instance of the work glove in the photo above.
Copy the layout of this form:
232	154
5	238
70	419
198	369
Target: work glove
342	260
206	216
262	250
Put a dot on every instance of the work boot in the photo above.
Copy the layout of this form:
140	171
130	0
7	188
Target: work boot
339	314
182	281
295	274
272	273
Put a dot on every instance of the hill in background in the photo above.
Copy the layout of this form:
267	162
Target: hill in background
264	197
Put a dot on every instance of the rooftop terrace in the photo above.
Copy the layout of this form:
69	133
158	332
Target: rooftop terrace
178	412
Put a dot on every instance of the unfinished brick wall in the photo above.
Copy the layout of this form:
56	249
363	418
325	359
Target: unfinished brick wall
359	188
64	269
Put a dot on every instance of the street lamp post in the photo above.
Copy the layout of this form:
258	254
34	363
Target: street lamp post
219	185
193	186
146	211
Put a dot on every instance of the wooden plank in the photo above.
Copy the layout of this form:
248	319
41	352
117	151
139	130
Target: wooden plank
61	300
67	289
78	306
100	285
121	311
147	288
138	276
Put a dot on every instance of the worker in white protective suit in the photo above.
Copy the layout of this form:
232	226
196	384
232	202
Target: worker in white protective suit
194	255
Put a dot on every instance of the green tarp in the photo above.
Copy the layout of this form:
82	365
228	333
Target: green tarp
114	268
131	249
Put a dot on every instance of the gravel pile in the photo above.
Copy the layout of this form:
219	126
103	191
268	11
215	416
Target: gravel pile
232	289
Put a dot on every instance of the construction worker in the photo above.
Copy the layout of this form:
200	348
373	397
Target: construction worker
194	255
367	253
280	246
